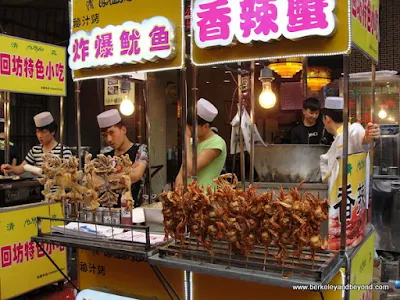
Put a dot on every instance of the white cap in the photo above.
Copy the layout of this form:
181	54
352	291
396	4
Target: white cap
206	110
1	120
108	118
334	103
43	119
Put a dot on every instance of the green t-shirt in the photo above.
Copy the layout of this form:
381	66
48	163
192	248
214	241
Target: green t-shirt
213	169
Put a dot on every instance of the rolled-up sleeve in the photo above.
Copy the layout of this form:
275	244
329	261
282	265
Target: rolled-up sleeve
142	155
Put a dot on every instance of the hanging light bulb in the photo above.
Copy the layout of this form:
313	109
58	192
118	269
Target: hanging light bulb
267	98
382	114
126	107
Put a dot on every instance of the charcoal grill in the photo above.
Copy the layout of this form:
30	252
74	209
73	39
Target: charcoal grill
256	267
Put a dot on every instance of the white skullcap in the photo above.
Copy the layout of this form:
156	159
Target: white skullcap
206	110
108	118
43	119
334	103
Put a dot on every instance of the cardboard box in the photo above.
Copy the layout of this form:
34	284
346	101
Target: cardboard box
377	269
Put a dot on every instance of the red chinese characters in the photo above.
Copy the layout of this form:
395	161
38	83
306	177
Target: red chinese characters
306	15
367	15
80	49
24	252
40	252
159	39
39	69
17	63
49	71
213	20
59	73
258	17
130	42
6	256
217	22
104	45
29	250
18	253
5	64
27	67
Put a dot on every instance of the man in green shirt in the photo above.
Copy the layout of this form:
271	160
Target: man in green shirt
211	148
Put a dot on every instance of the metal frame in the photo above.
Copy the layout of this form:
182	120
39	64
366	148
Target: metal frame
240	273
139	251
257	261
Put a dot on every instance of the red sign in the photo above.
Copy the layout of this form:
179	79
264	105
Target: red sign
291	97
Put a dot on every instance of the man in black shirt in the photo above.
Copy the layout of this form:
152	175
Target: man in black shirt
311	130
114	133
13	158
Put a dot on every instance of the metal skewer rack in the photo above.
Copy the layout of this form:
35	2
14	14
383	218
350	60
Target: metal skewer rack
250	268
137	250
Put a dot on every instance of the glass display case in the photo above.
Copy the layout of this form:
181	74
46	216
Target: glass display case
386	158
387	114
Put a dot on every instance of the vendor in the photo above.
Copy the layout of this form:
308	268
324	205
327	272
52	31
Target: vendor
13	154
211	148
114	133
311	130
46	130
359	138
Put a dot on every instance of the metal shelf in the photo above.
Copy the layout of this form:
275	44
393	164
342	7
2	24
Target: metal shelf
257	267
262	277
137	251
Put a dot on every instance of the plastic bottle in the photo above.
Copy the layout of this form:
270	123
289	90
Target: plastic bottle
126	214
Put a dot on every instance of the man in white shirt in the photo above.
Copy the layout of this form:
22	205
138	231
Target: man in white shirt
359	138
46	130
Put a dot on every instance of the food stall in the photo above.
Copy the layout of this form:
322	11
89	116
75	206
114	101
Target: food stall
109	41
33	68
190	267
231	45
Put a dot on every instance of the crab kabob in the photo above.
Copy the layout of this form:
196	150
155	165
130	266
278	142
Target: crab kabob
62	174
104	176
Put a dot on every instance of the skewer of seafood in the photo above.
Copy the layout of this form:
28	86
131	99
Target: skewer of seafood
246	219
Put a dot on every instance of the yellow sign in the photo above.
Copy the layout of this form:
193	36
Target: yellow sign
113	94
365	27
122	37
362	269
31	67
123	274
356	206
235	31
209	287
23	265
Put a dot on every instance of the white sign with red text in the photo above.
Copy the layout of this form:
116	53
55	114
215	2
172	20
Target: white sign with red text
131	42
97	295
221	22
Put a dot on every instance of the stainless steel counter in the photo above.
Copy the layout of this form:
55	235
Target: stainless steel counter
316	189
14	193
